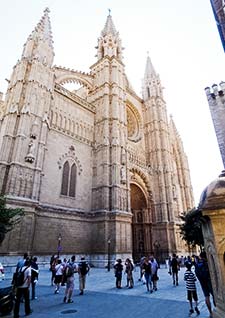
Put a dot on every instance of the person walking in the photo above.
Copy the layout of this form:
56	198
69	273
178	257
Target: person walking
21	262
69	271
203	275
175	267
58	275
83	269
129	267
64	264
34	277
53	262
190	280
147	271
154	272
23	289
141	264
118	267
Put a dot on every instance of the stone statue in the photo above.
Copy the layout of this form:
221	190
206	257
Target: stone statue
123	174
31	149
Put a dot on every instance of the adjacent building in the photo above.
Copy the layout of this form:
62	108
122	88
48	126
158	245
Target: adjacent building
216	100
218	7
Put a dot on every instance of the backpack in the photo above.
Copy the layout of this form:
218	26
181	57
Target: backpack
83	266
202	271
18	277
174	264
69	270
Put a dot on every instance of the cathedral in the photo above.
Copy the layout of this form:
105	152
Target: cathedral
98	170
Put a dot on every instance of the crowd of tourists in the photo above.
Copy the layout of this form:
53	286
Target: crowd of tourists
196	268
62	274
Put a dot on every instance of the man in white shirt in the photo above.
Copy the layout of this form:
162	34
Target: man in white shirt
23	291
154	275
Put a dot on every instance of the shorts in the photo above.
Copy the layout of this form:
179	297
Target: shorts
192	294
207	288
70	283
58	279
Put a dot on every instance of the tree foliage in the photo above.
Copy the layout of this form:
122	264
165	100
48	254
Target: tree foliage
191	228
8	218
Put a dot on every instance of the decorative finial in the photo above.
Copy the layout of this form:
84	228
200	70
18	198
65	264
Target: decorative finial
109	11
46	10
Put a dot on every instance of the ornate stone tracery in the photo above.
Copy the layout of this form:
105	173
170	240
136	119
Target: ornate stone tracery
71	157
133	123
64	75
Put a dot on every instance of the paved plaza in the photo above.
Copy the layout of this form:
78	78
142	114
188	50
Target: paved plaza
102	299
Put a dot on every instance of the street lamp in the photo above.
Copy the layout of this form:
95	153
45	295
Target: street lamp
59	248
109	242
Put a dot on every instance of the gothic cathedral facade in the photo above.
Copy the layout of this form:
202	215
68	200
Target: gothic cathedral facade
99	164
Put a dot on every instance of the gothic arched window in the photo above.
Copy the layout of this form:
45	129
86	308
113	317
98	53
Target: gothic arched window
68	186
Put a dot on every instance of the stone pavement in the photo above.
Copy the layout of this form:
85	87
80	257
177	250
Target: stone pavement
102	299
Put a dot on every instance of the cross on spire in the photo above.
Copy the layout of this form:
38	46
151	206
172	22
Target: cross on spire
109	11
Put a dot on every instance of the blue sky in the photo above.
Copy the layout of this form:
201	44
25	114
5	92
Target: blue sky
182	40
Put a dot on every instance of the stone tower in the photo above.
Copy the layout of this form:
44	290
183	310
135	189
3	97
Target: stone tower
110	175
167	164
219	14
27	104
97	166
216	100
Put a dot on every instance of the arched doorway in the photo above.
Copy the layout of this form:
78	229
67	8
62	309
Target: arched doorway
141	225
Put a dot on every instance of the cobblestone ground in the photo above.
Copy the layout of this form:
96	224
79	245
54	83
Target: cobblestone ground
102	299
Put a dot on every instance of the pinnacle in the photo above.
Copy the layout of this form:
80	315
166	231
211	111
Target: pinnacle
46	10
149	69
43	29
109	26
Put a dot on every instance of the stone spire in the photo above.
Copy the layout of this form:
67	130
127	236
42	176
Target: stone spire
151	84
184	198
39	44
109	27
149	69
109	43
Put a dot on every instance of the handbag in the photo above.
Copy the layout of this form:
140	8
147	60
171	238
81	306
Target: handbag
155	277
143	279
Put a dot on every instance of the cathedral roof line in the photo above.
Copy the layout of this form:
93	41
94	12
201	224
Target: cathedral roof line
66	75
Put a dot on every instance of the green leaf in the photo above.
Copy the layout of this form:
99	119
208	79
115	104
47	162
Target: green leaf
191	228
8	218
